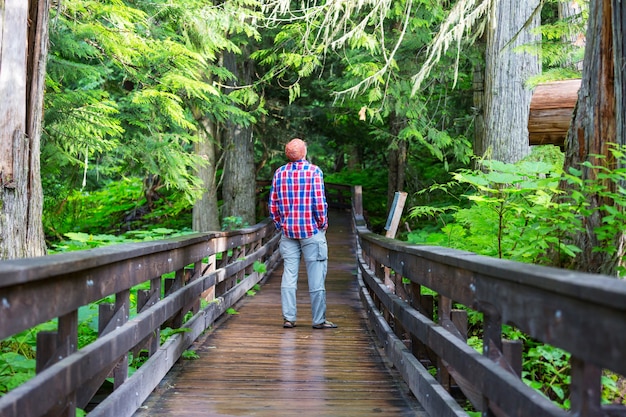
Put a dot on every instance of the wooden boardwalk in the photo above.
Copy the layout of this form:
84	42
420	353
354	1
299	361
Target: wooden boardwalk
250	366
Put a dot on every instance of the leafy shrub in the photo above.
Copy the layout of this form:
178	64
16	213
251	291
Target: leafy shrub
519	212
512	214
117	213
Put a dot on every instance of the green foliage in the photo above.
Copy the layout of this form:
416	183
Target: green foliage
547	369
117	213
562	46
190	355
17	357
126	85
233	223
169	332
605	180
519	212
259	267
15	369
512	214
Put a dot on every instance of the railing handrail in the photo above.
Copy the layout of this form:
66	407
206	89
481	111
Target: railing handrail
37	290
584	314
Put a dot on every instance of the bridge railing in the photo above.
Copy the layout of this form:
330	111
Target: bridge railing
581	313
182	283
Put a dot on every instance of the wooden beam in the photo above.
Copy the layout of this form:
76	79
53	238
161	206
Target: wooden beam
551	109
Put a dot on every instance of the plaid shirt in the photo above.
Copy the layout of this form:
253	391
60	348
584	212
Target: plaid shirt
297	200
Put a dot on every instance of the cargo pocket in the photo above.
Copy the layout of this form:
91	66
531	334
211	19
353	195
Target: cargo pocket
322	248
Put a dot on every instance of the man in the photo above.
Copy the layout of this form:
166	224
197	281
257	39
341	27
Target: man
298	208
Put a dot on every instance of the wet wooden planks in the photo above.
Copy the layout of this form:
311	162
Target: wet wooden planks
250	366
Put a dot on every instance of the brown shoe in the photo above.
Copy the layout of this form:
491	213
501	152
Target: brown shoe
289	324
326	325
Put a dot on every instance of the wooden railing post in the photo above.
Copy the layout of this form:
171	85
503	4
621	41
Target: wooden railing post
513	353
172	285
122	305
145	300
209	294
585	389
53	347
492	345
357	200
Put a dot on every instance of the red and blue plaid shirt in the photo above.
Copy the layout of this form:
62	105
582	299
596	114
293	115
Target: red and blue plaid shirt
297	200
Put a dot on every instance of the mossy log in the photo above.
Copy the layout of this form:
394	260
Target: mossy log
551	109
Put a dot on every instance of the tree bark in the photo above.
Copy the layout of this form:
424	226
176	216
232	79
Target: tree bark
397	157
569	11
239	188
205	217
599	119
23	52
507	100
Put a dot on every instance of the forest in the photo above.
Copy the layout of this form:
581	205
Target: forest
133	120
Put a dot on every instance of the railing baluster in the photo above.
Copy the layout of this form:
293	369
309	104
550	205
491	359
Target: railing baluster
122	305
53	347
492	344
585	389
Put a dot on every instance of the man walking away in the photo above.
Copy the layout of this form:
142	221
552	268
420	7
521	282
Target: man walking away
298	208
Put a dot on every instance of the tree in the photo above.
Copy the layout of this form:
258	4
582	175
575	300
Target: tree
506	101
239	188
205	216
599	121
23	52
371	47
134	89
570	12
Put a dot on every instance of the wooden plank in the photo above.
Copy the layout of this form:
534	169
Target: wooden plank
499	385
395	214
67	288
553	305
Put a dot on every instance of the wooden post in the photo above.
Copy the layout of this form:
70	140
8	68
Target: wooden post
357	200
585	388
393	220
395	213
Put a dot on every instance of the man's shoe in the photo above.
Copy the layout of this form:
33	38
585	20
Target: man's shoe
325	325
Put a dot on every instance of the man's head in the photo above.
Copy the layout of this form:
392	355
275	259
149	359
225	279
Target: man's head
295	149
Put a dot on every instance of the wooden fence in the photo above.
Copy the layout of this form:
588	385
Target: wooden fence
180	283
188	282
583	314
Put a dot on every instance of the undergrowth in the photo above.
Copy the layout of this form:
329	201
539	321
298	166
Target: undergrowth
520	212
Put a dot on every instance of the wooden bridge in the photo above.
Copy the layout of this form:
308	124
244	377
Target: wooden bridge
397	351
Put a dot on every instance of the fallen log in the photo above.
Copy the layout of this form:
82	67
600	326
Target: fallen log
551	109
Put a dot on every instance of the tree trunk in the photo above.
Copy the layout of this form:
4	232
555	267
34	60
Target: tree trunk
478	100
396	158
507	100
239	188
205	211
599	118
23	51
570	12
354	157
